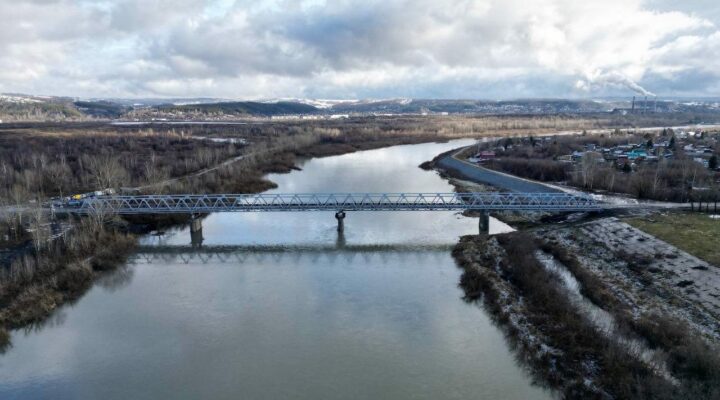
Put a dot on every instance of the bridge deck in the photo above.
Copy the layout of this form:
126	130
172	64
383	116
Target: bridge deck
178	204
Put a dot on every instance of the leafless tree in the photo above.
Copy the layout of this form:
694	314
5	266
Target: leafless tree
107	171
588	168
39	228
98	216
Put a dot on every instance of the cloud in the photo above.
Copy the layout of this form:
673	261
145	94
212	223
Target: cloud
372	48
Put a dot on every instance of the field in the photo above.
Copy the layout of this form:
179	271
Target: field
695	233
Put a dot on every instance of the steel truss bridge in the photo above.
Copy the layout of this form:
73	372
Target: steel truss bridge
339	202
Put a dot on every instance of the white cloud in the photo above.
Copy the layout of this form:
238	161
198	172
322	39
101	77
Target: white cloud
343	48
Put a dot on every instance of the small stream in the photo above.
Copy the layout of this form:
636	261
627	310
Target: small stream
603	321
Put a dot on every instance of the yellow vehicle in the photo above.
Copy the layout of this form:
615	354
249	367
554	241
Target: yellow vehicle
77	196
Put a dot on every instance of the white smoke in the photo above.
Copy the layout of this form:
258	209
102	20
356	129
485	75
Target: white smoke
612	78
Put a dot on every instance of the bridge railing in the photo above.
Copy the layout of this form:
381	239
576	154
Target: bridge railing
159	204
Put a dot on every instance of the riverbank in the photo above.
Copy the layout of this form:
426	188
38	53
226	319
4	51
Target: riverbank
38	282
565	348
660	317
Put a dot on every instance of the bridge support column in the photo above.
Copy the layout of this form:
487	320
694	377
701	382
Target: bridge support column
340	217
196	236
484	223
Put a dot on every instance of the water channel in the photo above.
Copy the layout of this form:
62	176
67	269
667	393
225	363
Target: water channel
297	313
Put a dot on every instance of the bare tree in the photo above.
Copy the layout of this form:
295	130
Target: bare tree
107	171
39	228
659	171
588	167
98	215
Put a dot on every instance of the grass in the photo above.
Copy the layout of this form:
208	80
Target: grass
695	233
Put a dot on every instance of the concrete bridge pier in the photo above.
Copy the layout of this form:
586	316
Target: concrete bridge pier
484	223
196	236
340	217
340	241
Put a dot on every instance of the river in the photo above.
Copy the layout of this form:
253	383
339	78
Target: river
280	306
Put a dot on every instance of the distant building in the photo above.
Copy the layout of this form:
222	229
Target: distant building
486	155
636	154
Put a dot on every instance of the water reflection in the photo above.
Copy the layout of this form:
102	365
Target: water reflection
306	312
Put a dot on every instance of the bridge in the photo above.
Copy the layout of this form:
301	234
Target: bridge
197	205
339	202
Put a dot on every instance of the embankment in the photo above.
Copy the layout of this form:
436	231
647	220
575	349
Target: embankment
465	170
561	345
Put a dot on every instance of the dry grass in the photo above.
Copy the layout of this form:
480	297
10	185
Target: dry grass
695	233
583	352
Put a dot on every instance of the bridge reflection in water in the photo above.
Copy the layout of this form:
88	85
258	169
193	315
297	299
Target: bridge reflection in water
249	253
196	252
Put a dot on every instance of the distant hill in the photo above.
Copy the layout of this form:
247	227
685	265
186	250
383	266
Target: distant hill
102	109
18	107
242	108
416	106
35	108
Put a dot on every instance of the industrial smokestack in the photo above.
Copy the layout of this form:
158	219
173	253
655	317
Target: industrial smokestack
632	109
645	105
655	106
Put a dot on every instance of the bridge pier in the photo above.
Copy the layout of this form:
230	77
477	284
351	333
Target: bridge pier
484	223
340	241
340	217
196	236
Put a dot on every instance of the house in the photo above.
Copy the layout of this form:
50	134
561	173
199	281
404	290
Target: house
482	156
702	161
637	154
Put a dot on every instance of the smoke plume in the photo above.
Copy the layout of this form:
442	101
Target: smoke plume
613	79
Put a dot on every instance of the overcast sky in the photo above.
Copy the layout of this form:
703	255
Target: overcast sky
360	49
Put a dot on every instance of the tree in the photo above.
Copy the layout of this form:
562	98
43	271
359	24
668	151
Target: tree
713	162
507	143
39	228
107	171
649	144
588	166
671	145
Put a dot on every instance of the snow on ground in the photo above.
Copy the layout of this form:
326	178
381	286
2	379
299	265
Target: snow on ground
18	99
646	273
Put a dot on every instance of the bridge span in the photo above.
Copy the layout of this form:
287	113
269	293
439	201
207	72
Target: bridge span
339	202
197	205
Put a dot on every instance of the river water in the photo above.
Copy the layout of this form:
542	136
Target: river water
280	306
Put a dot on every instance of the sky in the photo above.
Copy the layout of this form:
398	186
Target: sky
346	49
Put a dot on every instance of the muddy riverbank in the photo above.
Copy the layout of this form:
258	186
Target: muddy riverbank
563	343
662	337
